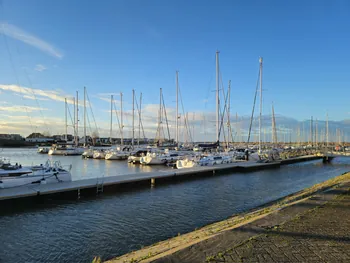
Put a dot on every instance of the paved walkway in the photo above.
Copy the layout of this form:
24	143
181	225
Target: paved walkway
321	234
315	230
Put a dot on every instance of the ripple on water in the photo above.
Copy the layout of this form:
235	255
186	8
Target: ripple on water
111	225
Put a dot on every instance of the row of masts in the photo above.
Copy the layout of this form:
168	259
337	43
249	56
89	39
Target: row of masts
162	113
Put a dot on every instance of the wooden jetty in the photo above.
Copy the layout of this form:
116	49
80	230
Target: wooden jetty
98	185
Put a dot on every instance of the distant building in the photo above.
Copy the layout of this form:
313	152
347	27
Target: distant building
88	140
38	138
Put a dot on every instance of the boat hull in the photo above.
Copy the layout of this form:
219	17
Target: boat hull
38	178
183	164
148	160
116	156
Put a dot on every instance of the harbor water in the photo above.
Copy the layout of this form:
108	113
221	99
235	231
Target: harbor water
114	224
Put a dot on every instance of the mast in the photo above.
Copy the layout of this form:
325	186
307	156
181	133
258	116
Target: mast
177	110
121	119
229	133
311	131
193	121
77	138
133	117
111	126
238	129
327	133
217	98
274	131
74	121
261	68
138	141
316	131
66	126
84	116
160	116
186	127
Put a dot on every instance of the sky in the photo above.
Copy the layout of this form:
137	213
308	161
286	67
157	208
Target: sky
51	49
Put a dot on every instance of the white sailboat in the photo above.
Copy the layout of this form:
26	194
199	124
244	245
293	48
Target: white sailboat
160	158
136	156
99	154
88	153
121	153
43	150
16	175
63	149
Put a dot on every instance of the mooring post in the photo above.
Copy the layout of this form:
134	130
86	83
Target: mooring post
78	193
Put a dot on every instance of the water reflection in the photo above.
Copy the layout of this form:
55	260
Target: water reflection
110	225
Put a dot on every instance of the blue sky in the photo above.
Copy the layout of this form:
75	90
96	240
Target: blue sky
116	46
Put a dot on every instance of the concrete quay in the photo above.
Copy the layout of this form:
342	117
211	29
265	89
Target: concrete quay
312	225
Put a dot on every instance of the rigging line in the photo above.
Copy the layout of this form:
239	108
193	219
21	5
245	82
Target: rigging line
70	115
116	114
16	76
227	109
187	128
252	116
222	120
92	113
183	112
89	123
139	112
31	89
166	118
221	127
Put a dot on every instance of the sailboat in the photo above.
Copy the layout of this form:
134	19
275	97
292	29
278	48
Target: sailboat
201	147
66	149
16	175
122	152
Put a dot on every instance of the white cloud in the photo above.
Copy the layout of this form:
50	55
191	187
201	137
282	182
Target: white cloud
17	108
21	35
31	97
49	94
40	68
107	97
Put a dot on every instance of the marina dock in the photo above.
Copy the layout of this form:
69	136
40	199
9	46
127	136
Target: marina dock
100	184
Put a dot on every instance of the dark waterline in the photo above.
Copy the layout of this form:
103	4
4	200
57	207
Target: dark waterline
108	226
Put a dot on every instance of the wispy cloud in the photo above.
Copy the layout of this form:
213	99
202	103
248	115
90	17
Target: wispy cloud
107	97
29	93
17	108
31	97
21	35
108	94
40	68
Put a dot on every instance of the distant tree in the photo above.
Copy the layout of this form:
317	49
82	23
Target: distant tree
35	135
46	134
95	135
